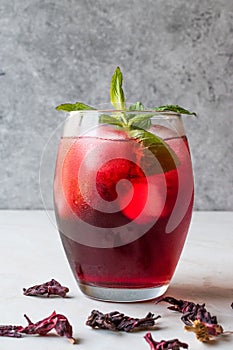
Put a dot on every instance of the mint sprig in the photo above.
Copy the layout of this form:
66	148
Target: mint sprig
134	124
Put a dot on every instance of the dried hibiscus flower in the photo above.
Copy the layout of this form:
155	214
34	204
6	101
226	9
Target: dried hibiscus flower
196	318
173	344
204	332
116	321
54	321
46	289
190	311
10	331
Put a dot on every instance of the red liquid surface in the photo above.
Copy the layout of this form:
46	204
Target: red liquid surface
150	259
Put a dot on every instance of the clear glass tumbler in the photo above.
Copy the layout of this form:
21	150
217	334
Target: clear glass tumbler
123	204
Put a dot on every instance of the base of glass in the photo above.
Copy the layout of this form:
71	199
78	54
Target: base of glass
122	295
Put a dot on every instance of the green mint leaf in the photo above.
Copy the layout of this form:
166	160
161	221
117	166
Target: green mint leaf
70	107
109	119
134	120
166	157
142	121
117	96
138	106
173	108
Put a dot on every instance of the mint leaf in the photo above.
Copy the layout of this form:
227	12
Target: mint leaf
142	121
117	96
109	119
138	106
173	108
70	107
159	149
146	137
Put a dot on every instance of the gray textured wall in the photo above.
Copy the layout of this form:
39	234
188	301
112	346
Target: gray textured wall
53	51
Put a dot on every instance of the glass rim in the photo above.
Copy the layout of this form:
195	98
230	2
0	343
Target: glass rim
113	111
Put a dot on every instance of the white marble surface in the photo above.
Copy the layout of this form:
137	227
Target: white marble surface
31	252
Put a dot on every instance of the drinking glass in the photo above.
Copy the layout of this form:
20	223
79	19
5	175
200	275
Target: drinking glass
123	205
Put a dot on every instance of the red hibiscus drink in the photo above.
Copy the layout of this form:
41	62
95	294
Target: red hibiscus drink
123	200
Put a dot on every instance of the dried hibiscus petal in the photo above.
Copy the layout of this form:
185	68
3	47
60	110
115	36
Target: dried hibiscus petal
10	331
117	321
54	321
173	344
196	318
63	327
41	327
205	332
46	289
190	311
